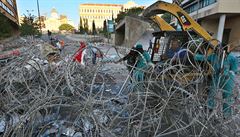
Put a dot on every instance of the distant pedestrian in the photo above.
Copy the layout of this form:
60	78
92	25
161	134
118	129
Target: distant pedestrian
49	34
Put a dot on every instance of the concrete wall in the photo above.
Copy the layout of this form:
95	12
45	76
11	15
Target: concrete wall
211	25
133	30
229	6
119	36
233	23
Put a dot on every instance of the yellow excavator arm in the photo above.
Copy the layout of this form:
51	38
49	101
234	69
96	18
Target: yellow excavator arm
187	23
162	24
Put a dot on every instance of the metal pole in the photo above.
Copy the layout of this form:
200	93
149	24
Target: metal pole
39	17
197	11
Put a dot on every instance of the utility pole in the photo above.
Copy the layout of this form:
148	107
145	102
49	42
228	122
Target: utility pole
39	18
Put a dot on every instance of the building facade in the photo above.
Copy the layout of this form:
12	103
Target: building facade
100	12
9	9
55	20
220	17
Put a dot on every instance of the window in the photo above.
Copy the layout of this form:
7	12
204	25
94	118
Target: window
202	4
10	2
7	9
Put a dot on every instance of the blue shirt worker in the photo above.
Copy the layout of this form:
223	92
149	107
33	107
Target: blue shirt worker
174	48
142	64
225	66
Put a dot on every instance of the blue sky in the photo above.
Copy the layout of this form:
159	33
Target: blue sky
67	7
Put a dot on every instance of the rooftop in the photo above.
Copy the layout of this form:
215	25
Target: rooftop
94	4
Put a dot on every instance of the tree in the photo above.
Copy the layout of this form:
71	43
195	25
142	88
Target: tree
29	25
5	27
104	26
132	11
81	29
66	27
85	25
93	28
167	17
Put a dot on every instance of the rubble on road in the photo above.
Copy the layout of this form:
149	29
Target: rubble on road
44	97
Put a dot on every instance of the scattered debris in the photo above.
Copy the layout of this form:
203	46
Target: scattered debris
77	100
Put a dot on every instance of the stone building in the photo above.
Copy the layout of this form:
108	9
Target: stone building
101	12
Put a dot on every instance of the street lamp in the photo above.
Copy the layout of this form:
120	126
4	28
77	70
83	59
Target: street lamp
39	17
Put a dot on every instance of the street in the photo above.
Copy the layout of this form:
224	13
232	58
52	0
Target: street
168	68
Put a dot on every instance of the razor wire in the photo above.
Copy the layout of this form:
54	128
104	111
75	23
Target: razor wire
42	99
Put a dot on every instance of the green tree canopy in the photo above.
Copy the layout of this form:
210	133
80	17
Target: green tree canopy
104	26
66	27
85	26
81	29
132	11
29	25
94	31
167	17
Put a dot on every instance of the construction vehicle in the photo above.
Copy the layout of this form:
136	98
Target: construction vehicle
188	25
189	29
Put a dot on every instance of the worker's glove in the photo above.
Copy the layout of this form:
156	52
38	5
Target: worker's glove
232	73
151	65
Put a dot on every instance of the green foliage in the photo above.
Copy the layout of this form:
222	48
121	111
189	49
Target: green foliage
66	27
132	11
29	26
85	26
105	26
104	31
94	28
167	17
81	29
5	27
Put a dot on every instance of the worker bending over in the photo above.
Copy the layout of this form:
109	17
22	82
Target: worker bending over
138	60
131	59
142	64
225	66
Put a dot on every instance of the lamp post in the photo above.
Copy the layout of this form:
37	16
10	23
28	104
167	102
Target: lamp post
39	17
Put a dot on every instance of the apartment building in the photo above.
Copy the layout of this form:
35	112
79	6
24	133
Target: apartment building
8	8
220	17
